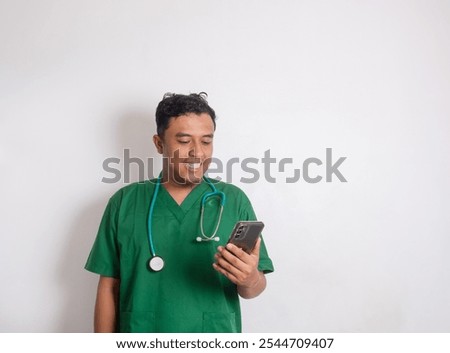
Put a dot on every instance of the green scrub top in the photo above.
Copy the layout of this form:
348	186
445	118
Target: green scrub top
188	295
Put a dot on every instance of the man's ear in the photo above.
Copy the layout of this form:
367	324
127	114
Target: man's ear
158	143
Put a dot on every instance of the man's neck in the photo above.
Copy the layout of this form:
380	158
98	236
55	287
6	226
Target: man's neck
178	191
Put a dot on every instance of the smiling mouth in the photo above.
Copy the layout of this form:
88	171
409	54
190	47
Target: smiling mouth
193	166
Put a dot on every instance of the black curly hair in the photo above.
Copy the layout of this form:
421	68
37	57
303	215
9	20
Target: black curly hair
174	105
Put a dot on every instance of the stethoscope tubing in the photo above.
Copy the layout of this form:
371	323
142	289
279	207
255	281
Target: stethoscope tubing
150	215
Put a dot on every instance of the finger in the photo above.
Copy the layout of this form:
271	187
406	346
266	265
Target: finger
257	247
230	263
236	251
234	259
227	274
230	256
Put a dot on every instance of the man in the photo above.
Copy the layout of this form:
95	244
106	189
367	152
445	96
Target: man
198	288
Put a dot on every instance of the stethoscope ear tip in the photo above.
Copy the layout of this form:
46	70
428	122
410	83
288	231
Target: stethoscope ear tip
200	239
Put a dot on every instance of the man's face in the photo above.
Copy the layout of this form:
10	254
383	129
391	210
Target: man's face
187	144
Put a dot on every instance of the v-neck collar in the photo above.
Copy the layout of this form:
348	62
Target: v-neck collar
180	211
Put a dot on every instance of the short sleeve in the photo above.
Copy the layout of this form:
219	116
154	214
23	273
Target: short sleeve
265	263
104	257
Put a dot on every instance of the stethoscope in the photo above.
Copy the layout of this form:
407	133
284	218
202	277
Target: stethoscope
156	263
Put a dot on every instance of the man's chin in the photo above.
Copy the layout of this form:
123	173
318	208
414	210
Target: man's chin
189	179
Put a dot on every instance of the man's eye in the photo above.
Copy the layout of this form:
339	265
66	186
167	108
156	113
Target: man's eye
183	142
206	142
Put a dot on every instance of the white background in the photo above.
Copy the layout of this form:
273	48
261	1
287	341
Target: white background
80	80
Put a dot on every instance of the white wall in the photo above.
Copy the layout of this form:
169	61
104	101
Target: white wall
370	79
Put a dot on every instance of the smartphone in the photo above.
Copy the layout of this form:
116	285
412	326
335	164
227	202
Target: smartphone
245	234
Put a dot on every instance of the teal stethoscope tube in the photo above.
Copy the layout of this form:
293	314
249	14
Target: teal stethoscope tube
150	215
204	237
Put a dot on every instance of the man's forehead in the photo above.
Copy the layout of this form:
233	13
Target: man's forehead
191	123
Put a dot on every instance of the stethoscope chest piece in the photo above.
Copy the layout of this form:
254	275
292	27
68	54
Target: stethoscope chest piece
156	263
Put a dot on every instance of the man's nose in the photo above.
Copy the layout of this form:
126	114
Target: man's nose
197	151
